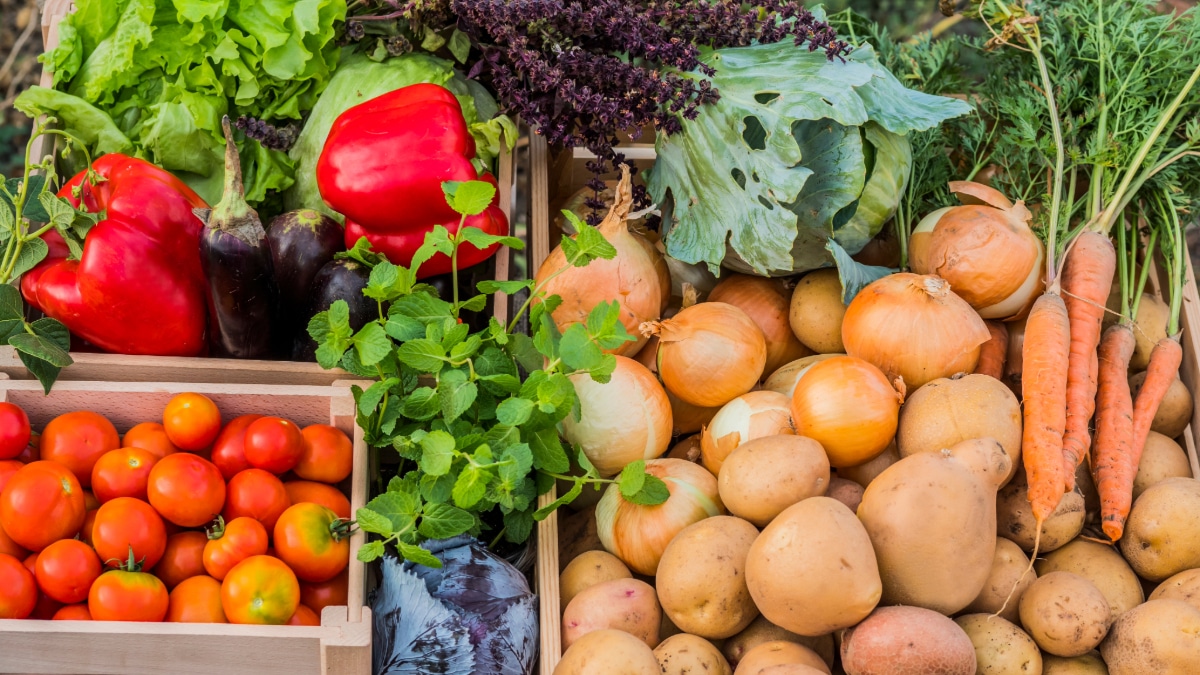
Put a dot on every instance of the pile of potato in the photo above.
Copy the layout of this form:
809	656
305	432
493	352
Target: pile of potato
914	563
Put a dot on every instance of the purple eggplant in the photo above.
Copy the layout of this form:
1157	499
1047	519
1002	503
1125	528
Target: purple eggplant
237	263
337	280
301	243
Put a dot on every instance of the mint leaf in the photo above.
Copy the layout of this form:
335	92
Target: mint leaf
422	307
437	241
575	491
369	521
404	328
388	281
369	400
423	355
514	411
475	304
605	327
422	404
418	555
361	253
469	198
400	508
577	349
602	372
481	240
372	343
503	382
437	488
548	452
518	461
547	337
462	351
509	287
523	350
652	493
518	525
370	551
589	469
437	453
470	486
456	394
587	245
633	477
457	333
442	521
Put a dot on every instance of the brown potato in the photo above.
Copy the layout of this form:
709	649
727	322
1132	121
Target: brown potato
863	474
701	578
1009	578
1088	664
845	491
1183	586
791	669
1162	535
816	311
764	476
688	448
779	653
1101	565
1174	411
587	570
947	411
1086	486
1001	648
1014	519
685	654
907	641
761	630
1162	458
1160	637
1065	614
608	652
629	605
1151	326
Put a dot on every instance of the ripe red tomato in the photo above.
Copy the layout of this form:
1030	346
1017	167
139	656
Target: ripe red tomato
231	543
256	494
229	450
192	421
304	617
14	430
300	491
183	558
127	522
328	454
46	608
123	595
196	600
89	500
66	570
33	451
123	472
41	504
8	469
85	530
273	444
260	590
18	589
77	439
73	613
313	541
149	436
187	490
332	593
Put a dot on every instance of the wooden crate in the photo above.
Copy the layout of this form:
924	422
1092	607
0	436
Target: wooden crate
128	368
340	646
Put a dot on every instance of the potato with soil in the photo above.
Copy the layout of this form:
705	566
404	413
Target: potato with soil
907	641
1160	637
812	570
1007	581
947	411
701	579
608	652
1162	535
1014	518
1001	647
761	630
779	653
932	522
863	474
1088	664
1103	566
1183	586
587	570
685	654
816	311
1174	411
1162	458
845	491
765	476
627	605
1065	614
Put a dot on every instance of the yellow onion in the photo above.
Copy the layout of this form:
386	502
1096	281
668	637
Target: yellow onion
637	534
688	449
767	302
648	355
849	407
621	421
985	249
637	277
784	380
687	418
913	327
745	418
709	354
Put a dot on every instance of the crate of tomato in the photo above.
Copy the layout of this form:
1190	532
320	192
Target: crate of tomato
217	540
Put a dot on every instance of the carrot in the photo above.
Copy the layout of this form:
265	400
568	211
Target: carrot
1162	371
1087	277
1112	465
994	352
1044	389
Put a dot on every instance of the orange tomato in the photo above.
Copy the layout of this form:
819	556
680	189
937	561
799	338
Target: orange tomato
313	541
8	469
126	523
41	504
149	436
332	593
122	473
328	455
90	501
300	491
256	494
229	450
73	613
231	543
182	559
18	589
304	617
66	569
77	439
273	444
89	521
14	430
120	595
260	590
187	490
192	421
196	600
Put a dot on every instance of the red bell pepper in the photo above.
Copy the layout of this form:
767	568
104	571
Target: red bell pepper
138	287
383	166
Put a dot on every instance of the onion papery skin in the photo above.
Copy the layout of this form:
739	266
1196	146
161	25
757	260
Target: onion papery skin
914	327
750	416
709	354
648	355
784	380
621	421
849	407
637	277
767	302
638	535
